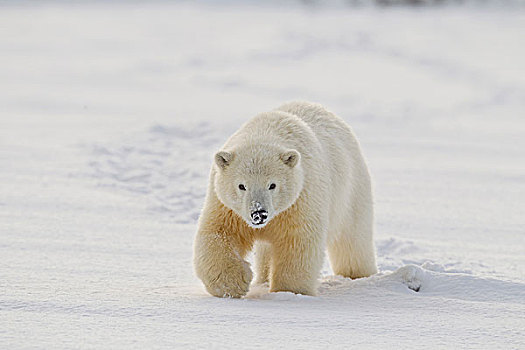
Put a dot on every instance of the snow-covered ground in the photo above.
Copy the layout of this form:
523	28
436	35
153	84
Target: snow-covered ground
109	116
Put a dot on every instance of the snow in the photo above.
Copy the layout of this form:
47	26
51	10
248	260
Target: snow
109	117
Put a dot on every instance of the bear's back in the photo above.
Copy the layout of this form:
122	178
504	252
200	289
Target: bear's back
344	164
276	127
324	123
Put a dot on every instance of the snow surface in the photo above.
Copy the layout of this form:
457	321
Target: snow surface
110	114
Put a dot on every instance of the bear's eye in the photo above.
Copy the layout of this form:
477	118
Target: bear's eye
272	186
242	188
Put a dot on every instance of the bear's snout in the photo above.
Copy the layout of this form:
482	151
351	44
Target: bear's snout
259	217
258	213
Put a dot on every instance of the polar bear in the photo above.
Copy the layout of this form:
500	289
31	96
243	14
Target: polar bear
292	182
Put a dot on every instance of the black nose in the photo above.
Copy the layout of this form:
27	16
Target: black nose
259	217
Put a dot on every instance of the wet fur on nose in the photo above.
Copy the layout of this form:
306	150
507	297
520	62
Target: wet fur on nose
256	206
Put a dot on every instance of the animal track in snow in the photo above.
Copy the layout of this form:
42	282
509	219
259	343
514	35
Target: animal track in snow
168	164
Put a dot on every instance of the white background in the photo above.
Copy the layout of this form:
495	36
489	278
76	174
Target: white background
109	117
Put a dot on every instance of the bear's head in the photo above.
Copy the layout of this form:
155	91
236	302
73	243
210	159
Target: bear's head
258	181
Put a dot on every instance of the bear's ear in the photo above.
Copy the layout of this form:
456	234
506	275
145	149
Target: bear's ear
223	159
291	158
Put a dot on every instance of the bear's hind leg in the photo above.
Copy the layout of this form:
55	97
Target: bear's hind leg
352	252
263	256
349	258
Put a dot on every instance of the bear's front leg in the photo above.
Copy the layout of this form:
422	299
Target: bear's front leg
297	260
219	264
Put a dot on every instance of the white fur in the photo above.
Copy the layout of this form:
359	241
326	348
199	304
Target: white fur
322	200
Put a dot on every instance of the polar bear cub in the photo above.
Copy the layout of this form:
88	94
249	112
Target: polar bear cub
292	182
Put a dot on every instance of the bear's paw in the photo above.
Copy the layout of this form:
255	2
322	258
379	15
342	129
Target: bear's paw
232	282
